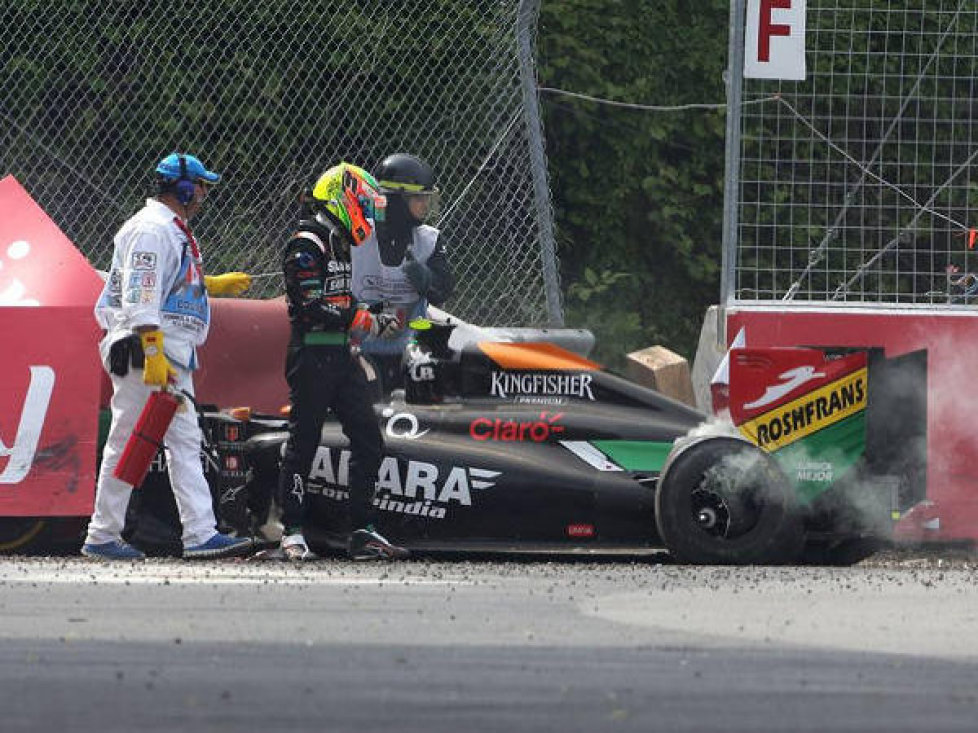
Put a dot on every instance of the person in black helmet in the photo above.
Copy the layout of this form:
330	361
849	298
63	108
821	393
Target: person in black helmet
338	215
405	265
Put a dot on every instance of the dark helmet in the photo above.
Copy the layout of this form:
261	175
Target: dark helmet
404	173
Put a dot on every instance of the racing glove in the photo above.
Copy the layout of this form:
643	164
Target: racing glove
156	369
388	326
230	283
418	274
363	324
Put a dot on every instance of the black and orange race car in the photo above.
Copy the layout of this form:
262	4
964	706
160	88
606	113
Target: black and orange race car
503	446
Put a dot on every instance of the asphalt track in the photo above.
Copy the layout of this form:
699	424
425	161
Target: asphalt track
890	645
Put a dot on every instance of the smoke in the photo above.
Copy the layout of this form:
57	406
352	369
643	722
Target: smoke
858	496
738	483
717	426
742	475
952	363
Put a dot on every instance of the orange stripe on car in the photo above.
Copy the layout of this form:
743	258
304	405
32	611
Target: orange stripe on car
535	356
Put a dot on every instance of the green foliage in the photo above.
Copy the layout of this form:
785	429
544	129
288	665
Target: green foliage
590	304
638	194
635	191
269	93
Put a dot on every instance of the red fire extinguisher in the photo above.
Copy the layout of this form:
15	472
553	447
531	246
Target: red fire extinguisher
147	437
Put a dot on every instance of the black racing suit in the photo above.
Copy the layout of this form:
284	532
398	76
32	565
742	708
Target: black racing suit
323	375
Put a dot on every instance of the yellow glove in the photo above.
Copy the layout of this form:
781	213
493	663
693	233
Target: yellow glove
230	283
156	369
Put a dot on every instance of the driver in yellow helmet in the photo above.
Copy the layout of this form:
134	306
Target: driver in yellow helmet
322	372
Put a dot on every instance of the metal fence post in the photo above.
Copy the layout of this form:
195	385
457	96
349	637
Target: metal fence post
526	25
731	184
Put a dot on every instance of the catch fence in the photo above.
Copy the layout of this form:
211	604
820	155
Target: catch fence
858	184
272	93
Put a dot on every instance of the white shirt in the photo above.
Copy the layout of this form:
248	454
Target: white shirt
156	280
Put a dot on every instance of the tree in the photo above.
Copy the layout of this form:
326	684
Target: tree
635	191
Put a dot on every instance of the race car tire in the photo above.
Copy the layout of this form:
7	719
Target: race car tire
722	501
21	534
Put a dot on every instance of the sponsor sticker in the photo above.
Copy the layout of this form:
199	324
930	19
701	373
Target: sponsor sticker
808	414
143	260
419	372
23	444
536	431
790	381
402	425
821	471
540	387
580	530
411	487
141	280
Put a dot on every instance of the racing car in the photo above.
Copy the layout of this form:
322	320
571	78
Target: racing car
501	446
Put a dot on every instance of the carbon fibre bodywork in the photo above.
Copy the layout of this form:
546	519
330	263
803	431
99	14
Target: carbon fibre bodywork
502	445
527	446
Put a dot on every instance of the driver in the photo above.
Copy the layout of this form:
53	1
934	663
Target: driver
404	264
322	372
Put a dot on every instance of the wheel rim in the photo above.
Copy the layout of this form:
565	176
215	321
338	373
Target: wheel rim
710	513
727	509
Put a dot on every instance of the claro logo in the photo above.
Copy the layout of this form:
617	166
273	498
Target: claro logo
537	431
20	454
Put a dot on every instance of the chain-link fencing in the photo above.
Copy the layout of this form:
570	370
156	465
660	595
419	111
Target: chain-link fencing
272	93
858	184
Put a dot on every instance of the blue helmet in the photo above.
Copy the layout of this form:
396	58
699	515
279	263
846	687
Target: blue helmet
185	167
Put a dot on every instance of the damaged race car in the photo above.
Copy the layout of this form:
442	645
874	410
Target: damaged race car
508	446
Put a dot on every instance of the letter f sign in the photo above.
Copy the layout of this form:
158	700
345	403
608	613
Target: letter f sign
768	29
21	453
785	57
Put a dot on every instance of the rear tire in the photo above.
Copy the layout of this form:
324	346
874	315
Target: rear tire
723	501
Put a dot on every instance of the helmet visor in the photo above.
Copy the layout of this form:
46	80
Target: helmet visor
425	205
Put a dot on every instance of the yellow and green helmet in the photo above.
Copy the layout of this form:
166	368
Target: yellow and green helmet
350	198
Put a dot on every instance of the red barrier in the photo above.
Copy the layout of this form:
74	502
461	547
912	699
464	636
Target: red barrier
49	370
951	510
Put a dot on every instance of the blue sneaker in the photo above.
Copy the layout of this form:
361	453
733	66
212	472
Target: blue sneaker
114	550
219	545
